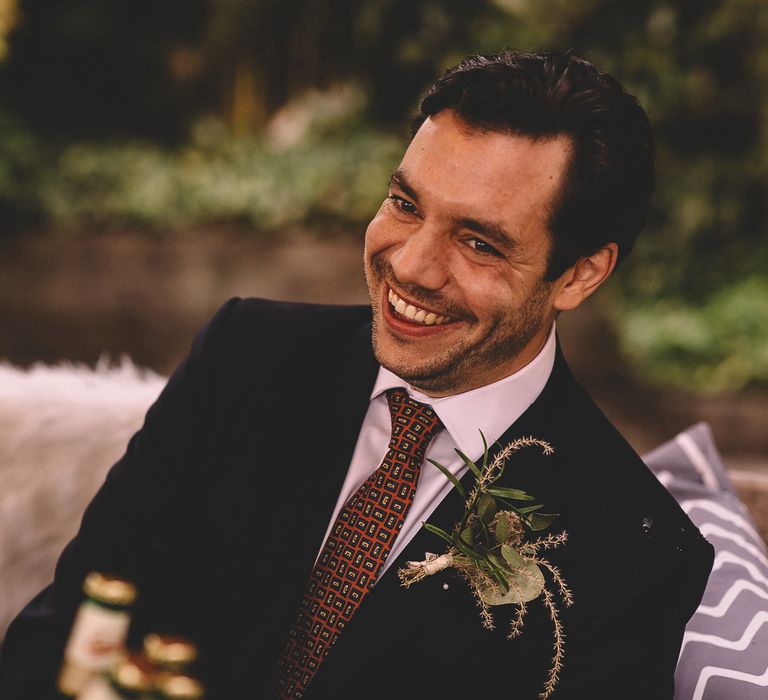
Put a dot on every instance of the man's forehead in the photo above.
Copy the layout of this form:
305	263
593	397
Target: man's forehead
473	166
449	140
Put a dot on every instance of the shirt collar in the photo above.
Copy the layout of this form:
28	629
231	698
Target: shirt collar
491	408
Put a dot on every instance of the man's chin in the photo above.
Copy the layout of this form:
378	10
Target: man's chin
428	374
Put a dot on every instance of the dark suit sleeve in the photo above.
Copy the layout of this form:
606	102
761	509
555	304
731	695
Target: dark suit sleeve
142	492
630	645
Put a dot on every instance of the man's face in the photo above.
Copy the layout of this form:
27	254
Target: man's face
456	255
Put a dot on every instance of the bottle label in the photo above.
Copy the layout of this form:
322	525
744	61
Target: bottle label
97	636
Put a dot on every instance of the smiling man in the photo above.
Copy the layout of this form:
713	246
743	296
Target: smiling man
282	477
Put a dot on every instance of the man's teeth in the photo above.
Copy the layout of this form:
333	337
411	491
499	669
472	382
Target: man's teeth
414	313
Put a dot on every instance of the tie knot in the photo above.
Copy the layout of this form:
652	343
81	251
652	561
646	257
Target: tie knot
414	423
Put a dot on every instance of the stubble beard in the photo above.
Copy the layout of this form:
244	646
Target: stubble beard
464	364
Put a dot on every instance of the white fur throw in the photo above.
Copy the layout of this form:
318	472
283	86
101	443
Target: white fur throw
61	428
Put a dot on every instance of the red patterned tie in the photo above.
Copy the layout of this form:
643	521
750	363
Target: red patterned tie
357	546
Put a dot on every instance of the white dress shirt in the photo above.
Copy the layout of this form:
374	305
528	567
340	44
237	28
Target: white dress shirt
491	408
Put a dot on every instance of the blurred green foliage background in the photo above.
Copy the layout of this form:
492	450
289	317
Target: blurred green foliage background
172	116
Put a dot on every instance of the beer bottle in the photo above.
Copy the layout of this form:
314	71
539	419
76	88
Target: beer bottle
99	631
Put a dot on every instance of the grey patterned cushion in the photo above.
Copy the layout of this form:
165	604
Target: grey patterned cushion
725	647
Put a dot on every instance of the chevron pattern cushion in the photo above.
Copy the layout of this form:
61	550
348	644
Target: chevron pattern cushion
725	647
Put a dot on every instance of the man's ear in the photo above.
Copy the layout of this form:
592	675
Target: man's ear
584	277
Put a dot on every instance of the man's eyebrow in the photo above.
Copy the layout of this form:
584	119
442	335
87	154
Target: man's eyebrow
400	181
492	231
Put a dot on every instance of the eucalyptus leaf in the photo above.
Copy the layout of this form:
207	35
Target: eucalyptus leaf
486	508
512	556
468	462
456	483
525	584
467	537
438	531
541	521
514	494
502	529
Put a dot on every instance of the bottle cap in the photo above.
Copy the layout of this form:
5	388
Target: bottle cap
169	652
133	673
179	687
109	589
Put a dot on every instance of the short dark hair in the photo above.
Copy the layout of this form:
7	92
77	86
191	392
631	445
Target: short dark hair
605	194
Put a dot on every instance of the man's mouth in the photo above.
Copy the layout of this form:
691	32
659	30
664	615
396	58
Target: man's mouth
416	314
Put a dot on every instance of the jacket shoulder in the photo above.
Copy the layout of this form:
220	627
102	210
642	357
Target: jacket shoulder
252	332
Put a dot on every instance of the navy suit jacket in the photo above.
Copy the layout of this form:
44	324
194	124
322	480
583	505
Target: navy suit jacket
219	505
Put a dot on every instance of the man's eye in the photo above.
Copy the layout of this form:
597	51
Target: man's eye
402	204
481	246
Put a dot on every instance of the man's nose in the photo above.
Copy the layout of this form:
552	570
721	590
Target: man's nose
422	259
